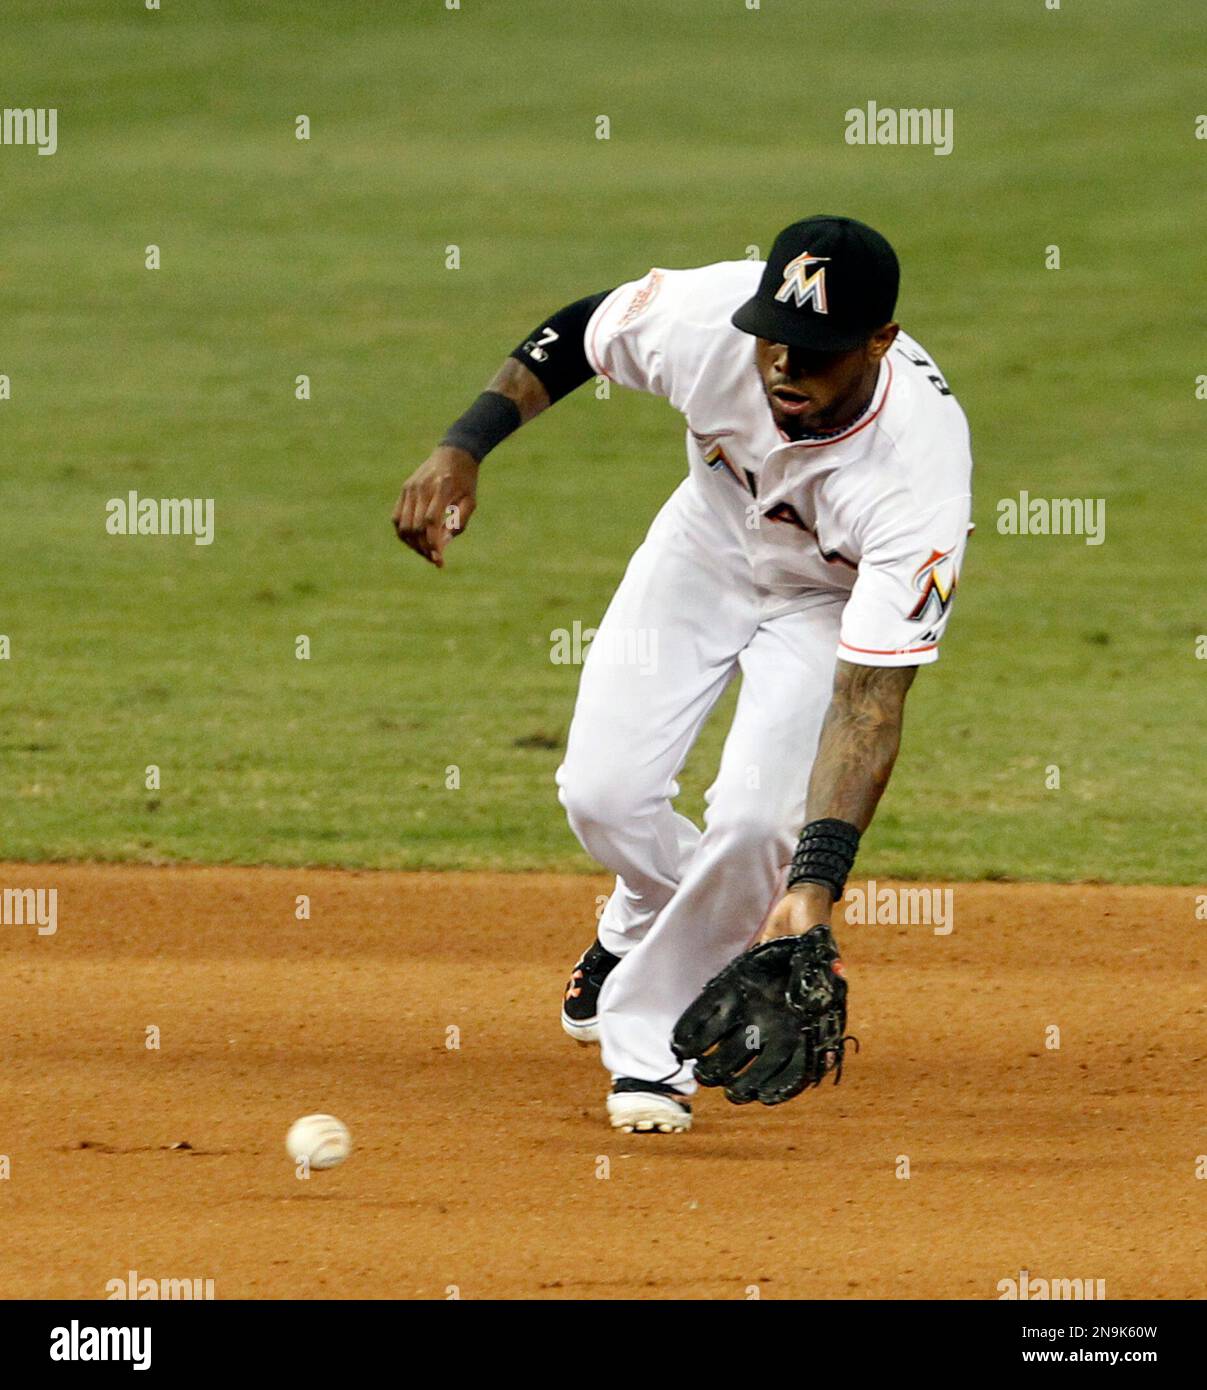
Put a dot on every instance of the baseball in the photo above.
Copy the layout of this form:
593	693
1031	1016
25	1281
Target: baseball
322	1140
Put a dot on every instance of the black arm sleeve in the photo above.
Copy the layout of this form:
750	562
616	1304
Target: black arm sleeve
555	353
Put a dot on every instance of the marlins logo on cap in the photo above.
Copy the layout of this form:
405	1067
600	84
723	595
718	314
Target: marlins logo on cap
801	286
828	284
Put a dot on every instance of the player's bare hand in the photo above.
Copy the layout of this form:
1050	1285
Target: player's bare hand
798	911
437	502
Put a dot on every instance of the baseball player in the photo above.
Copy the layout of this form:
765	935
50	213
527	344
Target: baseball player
812	549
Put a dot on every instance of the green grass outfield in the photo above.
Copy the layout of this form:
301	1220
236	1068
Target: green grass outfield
477	128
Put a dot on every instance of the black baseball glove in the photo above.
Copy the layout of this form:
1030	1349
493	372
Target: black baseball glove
772	1023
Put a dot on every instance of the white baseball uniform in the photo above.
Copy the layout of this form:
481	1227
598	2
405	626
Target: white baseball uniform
772	558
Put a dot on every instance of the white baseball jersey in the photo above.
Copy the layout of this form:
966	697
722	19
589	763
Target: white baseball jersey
772	559
879	511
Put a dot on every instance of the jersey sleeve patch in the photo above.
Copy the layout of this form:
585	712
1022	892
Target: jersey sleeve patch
642	299
902	599
935	580
626	338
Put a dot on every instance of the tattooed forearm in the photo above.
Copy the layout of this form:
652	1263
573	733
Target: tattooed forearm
859	742
518	384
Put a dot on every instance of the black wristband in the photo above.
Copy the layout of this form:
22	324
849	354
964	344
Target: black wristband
824	854
487	422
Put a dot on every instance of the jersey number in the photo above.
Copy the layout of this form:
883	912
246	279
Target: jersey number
932	376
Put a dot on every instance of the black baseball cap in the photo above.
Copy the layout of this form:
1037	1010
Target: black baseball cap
828	283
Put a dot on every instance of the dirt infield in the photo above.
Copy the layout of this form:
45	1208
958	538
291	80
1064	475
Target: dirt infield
489	1167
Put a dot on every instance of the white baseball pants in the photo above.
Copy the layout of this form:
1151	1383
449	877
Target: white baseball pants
685	620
